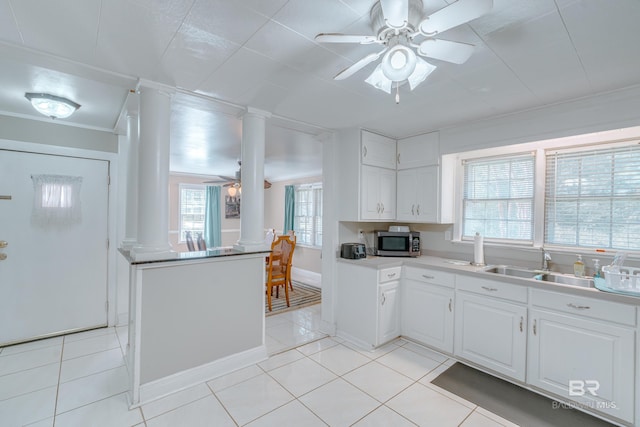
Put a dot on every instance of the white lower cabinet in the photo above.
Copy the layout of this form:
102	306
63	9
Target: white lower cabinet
491	331
576	354
427	307
368	304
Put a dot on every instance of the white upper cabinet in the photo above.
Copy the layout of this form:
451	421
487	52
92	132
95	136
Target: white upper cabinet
378	150
418	151
377	193
417	194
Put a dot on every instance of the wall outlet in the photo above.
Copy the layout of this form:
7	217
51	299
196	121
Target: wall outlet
360	235
447	235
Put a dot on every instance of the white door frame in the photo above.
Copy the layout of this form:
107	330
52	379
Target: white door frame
112	158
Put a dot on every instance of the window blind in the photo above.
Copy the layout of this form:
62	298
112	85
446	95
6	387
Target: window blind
499	197
308	214
192	210
593	197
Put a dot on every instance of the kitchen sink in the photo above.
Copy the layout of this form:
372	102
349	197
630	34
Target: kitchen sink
541	275
585	282
506	270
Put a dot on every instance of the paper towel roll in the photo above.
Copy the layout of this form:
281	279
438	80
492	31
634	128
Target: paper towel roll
478	249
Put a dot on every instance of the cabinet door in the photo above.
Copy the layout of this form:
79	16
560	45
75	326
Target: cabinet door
378	150
427	314
419	150
388	312
406	195
586	361
427	194
387	186
370	193
491	333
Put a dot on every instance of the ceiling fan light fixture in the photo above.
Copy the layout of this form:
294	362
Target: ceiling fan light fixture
421	72
52	106
398	63
378	80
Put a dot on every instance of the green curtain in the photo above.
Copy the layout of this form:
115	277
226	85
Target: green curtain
289	207
212	227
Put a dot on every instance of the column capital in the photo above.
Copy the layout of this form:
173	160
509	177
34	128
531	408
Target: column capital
251	111
161	88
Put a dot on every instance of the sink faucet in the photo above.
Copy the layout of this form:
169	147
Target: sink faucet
545	260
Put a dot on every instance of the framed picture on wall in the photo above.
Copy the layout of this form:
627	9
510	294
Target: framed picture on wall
232	206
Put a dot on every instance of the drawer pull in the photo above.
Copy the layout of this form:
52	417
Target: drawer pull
390	275
535	329
521	323
578	307
488	289
426	276
450	301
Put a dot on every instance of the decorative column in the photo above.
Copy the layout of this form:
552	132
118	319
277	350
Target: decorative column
252	170
153	175
131	217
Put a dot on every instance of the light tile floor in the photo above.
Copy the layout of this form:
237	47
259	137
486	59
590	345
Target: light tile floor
310	380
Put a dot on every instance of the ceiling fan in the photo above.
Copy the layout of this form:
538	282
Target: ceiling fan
401	28
233	182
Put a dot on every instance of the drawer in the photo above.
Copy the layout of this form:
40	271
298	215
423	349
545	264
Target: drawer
492	288
389	274
585	306
426	275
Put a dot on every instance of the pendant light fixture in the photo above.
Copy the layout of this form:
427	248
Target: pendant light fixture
52	106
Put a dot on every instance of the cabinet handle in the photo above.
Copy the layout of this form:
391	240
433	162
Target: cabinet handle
378	207
578	307
488	289
364	151
418	210
535	328
426	276
521	322
384	298
382	207
412	209
398	158
450	302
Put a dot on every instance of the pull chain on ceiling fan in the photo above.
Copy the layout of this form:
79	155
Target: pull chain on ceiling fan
403	31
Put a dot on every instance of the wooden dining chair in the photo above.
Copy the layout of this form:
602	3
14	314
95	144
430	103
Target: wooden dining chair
202	245
278	267
189	240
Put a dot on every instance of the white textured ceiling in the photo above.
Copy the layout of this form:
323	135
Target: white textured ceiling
261	53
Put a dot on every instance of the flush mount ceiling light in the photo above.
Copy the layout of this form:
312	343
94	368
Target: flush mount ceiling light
52	106
400	27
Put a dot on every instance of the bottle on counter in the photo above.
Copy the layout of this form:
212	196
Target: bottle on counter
578	267
597	272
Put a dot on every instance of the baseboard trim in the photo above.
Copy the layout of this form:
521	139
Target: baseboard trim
188	378
307	277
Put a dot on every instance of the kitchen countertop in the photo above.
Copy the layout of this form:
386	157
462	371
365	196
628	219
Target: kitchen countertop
188	256
465	267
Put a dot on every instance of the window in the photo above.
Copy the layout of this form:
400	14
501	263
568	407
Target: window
593	197
56	200
499	197
308	214
191	210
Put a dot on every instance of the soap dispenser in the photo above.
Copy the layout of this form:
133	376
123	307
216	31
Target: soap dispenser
578	267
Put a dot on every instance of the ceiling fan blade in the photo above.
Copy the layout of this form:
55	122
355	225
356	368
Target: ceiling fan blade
455	14
221	178
446	50
349	71
396	12
344	38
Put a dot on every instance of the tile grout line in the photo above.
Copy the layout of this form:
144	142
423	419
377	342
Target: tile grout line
55	406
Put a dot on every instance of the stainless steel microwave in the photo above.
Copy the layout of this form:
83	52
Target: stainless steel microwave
397	243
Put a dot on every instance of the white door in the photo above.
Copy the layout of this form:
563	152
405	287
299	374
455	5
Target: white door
54	277
388	318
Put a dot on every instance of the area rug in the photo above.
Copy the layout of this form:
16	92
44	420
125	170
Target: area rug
509	401
302	296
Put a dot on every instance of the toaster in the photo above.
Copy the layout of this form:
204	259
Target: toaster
353	251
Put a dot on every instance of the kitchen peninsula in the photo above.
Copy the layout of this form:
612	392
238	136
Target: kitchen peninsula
197	316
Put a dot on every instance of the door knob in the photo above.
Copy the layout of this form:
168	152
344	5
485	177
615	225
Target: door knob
3	244
3	256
